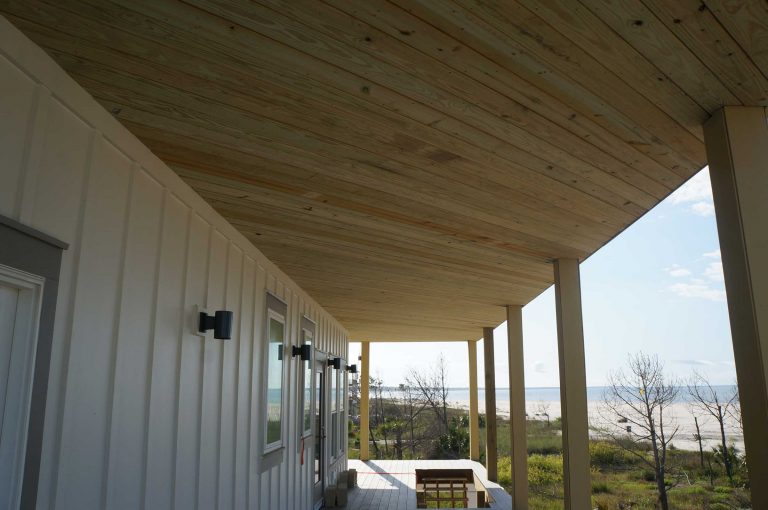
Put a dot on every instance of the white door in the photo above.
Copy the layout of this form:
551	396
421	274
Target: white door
20	296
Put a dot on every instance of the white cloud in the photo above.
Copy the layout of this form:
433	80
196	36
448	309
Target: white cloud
703	209
697	290
714	271
696	194
677	271
699	362
697	189
704	285
540	367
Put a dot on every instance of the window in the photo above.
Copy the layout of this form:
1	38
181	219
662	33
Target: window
334	412
275	373
305	400
342	404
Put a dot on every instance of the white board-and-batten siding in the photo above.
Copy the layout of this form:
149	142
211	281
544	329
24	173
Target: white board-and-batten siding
141	412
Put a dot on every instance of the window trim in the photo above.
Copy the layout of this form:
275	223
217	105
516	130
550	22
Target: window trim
333	393
341	408
307	326
272	312
340	412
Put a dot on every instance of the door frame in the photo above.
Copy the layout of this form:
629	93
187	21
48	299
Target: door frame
30	251
320	410
15	417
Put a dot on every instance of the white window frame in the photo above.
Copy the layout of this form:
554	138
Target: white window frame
304	433
333	404
276	445
344	443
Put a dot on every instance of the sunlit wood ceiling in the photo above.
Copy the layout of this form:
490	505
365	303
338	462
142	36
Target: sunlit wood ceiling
415	165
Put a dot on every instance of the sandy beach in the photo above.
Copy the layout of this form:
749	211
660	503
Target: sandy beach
679	414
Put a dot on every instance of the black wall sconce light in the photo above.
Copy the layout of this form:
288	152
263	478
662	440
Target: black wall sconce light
220	323
335	363
304	350
352	369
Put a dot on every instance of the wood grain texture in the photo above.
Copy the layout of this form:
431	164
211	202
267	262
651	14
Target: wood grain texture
416	165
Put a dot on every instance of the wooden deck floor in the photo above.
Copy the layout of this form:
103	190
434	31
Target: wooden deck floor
391	484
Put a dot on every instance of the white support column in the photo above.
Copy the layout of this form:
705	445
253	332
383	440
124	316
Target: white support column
518	443
474	427
573	385
737	151
365	356
490	406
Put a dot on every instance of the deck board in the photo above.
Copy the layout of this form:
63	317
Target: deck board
391	484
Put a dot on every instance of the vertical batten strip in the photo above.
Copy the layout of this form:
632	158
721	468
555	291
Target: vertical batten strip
228	380
52	437
152	344
191	357
107	486
202	377
183	321
256	493
135	328
36	133
241	406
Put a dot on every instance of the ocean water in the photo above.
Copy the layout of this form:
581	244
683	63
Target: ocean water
594	394
680	413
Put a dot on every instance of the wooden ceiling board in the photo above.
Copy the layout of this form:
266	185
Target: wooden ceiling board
415	165
541	166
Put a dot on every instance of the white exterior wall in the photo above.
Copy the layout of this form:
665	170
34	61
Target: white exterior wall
141	412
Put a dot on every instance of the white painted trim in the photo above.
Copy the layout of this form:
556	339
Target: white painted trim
302	432
277	445
15	421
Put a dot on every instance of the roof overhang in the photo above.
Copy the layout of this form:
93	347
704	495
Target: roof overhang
416	165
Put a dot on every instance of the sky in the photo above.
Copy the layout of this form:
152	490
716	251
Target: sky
656	288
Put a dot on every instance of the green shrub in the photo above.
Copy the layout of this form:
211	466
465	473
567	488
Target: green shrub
545	445
454	444
603	454
600	488
545	472
649	475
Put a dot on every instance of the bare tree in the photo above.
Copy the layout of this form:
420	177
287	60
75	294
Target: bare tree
641	396
377	385
705	398
697	438
542	409
433	388
413	405
734	410
377	415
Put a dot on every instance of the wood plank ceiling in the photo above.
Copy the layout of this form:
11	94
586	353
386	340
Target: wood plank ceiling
417	164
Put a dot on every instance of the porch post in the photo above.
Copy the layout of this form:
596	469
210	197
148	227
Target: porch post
737	151
365	355
518	446
474	428
490	405
573	385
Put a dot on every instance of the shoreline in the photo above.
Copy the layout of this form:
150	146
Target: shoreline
680	413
